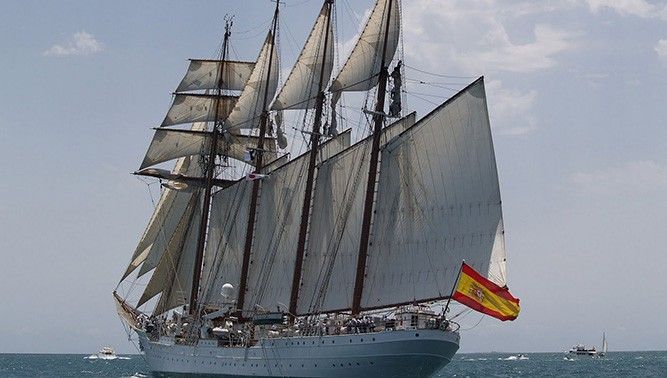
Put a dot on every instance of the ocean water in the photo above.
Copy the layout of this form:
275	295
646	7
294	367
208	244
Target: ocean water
615	364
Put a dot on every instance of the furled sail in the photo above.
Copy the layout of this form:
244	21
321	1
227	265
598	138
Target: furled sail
335	228
168	211
277	228
301	87
250	105
360	72
170	144
173	275
188	108
203	74
438	203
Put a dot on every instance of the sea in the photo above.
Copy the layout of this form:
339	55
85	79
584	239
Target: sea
614	364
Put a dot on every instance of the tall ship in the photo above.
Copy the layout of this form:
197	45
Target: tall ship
332	261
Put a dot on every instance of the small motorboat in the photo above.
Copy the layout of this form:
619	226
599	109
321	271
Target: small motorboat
107	353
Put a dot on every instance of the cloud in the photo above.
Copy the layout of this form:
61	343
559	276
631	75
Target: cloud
630	179
638	8
472	37
661	49
81	43
510	109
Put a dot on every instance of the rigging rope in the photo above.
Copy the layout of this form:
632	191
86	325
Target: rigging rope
439	75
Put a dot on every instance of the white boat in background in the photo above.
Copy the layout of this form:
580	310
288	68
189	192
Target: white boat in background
518	357
105	353
582	350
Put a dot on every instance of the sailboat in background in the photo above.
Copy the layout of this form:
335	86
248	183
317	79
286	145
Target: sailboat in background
326	264
604	345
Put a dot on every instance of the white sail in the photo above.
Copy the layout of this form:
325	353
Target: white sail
335	228
169	208
360	72
172	229
438	203
249	107
168	144
277	228
276	232
177	290
397	127
178	251
158	218
188	108
203	74
226	240
302	85
498	261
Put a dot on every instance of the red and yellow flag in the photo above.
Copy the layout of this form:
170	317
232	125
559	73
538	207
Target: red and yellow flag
480	294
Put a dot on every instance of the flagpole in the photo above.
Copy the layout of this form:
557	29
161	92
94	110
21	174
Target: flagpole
454	287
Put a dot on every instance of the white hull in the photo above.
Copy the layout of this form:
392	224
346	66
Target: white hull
404	353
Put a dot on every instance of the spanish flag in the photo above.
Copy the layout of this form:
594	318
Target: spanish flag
480	294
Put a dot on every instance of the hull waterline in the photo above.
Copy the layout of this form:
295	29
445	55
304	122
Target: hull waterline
408	353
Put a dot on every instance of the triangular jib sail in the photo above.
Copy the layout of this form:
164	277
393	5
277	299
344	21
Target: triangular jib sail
250	105
361	70
301	87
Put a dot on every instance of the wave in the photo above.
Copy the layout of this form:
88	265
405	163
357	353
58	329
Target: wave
97	357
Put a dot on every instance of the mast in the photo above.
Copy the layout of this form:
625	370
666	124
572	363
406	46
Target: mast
210	170
258	167
314	148
378	119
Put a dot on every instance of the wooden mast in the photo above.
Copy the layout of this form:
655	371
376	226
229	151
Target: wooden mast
378	118
314	148
210	171
258	167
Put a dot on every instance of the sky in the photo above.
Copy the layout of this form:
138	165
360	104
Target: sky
577	96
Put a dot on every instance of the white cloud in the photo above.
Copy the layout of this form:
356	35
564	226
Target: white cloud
490	37
510	109
661	49
638	8
81	43
470	36
631	179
